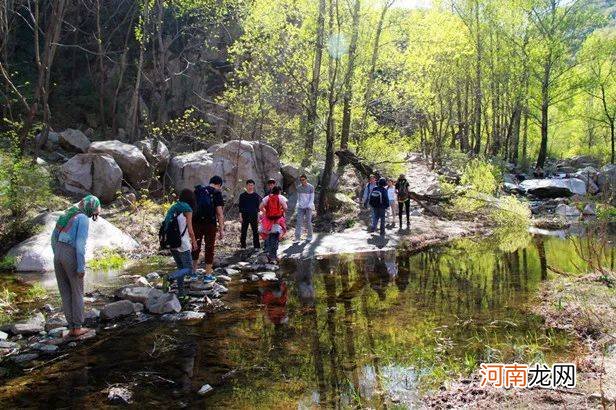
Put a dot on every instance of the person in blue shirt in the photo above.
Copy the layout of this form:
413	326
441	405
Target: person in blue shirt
68	242
379	202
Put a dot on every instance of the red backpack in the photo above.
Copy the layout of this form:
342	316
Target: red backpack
273	208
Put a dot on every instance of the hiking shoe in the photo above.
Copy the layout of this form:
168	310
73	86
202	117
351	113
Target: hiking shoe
209	278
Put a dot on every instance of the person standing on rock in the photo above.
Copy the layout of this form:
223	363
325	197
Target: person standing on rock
273	223
209	219
368	190
305	208
68	242
379	203
404	199
391	196
182	210
249	214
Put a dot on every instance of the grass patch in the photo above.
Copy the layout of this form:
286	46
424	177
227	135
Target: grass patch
108	260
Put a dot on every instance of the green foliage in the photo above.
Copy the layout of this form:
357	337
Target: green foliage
606	212
189	129
35	292
108	260
482	176
387	154
7	263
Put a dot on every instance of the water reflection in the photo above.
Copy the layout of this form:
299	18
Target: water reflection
335	332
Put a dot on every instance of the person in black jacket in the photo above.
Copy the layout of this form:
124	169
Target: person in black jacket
249	211
379	203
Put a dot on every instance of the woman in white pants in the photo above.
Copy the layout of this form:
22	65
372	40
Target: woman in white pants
391	195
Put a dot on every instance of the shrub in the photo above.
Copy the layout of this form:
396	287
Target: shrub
481	175
109	259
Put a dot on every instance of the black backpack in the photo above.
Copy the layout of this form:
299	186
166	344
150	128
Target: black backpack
376	198
205	205
169	235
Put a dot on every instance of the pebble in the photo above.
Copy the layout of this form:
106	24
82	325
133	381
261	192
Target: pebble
220	289
72	344
58	332
3	335
141	281
48	348
27	357
120	395
8	345
152	276
269	276
92	314
224	278
254	278
48	308
138	307
205	389
89	299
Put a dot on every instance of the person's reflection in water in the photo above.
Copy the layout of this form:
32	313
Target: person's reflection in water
404	271
186	363
305	286
378	275
274	297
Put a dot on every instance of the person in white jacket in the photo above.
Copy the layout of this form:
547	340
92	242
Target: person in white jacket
305	208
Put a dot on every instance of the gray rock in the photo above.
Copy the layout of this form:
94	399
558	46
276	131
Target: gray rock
92	314
45	348
232	272
74	140
164	303
152	276
590	209
33	325
58	332
24	358
269	276
137	294
141	281
157	157
220	288
138	307
205	389
566	210
117	309
55	322
48	308
254	277
8	345
35	254
201	285
120	395
554	188
223	278
3	336
131	160
270	267
606	179
187	316
96	174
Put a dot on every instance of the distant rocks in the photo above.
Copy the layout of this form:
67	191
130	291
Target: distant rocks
73	140
131	160
554	188
96	174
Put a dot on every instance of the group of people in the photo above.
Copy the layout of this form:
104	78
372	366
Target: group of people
197	217
384	195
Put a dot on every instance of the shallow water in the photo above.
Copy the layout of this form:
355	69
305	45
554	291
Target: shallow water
343	331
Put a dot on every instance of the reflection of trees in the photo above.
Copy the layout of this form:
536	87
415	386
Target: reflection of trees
540	245
349	333
330	290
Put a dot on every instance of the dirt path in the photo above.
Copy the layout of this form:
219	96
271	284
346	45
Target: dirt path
424	230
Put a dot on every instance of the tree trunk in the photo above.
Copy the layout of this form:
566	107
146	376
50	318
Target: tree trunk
313	97
348	81
545	106
101	68
478	83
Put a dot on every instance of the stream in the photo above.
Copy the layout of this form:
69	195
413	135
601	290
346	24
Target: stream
369	330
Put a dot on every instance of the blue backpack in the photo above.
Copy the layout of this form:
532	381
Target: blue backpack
205	205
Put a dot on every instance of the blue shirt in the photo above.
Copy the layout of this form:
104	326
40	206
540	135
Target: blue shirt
76	235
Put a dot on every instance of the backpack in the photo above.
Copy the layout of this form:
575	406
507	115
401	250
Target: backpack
403	190
273	208
376	198
205	205
169	235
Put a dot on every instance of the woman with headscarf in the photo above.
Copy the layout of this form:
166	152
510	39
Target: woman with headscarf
68	242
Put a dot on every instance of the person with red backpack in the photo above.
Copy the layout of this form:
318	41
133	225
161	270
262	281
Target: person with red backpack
273	224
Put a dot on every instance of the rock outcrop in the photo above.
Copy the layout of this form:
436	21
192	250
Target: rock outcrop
35	254
96	174
235	161
131	160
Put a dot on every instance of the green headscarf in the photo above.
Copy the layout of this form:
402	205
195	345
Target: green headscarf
89	205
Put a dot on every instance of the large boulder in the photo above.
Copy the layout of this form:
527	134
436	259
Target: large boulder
554	188
35	254
96	174
158	156
578	162
290	177
188	170
235	161
74	140
117	309
131	160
